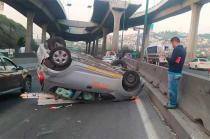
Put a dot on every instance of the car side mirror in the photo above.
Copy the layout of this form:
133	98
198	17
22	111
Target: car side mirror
19	68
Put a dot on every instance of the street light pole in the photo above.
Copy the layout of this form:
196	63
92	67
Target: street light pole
145	29
138	29
122	39
69	5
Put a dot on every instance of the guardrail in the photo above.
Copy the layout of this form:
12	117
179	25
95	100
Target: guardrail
194	90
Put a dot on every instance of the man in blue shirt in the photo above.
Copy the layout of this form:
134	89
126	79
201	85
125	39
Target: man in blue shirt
175	63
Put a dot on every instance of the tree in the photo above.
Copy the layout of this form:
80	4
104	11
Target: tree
21	42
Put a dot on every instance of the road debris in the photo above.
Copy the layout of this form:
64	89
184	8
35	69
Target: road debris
43	101
79	121
37	95
68	105
44	133
47	99
55	107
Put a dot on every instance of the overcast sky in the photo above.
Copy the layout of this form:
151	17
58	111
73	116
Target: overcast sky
79	11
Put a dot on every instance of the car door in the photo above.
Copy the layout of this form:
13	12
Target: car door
3	77
16	78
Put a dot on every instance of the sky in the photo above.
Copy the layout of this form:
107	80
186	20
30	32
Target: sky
79	11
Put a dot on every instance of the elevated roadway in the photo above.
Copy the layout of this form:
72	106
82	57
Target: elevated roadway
45	12
163	10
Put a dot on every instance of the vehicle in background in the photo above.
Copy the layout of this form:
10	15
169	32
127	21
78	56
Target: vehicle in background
199	63
7	52
110	57
13	78
157	54
128	55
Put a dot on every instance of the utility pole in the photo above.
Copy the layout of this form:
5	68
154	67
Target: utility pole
122	39
138	37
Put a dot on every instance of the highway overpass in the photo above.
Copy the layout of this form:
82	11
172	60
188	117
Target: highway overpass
44	13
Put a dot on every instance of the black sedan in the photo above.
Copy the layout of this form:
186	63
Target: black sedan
13	78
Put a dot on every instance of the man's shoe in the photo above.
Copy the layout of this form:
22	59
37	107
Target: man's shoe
168	106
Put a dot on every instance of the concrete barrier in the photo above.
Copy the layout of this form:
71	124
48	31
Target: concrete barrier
195	98
194	92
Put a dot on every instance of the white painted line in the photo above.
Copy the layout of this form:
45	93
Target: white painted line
148	126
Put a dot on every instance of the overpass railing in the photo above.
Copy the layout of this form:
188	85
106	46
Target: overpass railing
194	90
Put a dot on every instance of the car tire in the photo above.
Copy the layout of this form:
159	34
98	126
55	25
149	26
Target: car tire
120	63
131	80
56	42
60	57
196	67
27	85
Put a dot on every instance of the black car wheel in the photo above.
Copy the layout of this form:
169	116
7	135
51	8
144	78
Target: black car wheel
56	42
27	86
60	57
131	80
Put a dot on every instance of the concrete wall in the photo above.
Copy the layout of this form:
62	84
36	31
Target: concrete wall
194	91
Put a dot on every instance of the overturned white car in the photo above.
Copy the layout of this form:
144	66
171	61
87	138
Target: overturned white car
77	76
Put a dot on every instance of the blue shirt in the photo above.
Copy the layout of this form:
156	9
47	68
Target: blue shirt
177	59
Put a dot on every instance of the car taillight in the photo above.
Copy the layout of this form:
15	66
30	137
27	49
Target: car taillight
40	76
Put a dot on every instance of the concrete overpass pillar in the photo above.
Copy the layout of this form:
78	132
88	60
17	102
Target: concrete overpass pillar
105	32
196	8
89	46
93	49
86	47
96	48
117	14
44	31
29	31
145	39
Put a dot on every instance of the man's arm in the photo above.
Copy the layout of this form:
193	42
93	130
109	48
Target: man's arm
173	58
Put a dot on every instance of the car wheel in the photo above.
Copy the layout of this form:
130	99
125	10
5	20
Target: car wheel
131	80
196	67
27	86
56	42
119	63
60	57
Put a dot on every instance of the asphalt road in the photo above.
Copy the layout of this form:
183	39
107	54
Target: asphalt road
203	73
23	119
198	72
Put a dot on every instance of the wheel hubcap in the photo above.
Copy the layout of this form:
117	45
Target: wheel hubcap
60	57
131	78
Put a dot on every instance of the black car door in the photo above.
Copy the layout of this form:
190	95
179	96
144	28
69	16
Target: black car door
16	78
3	77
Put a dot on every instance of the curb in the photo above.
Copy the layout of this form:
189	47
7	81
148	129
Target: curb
176	119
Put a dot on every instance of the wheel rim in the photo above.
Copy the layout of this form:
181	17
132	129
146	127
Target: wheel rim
60	57
131	78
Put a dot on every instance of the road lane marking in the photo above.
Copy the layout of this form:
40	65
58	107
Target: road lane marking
148	126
